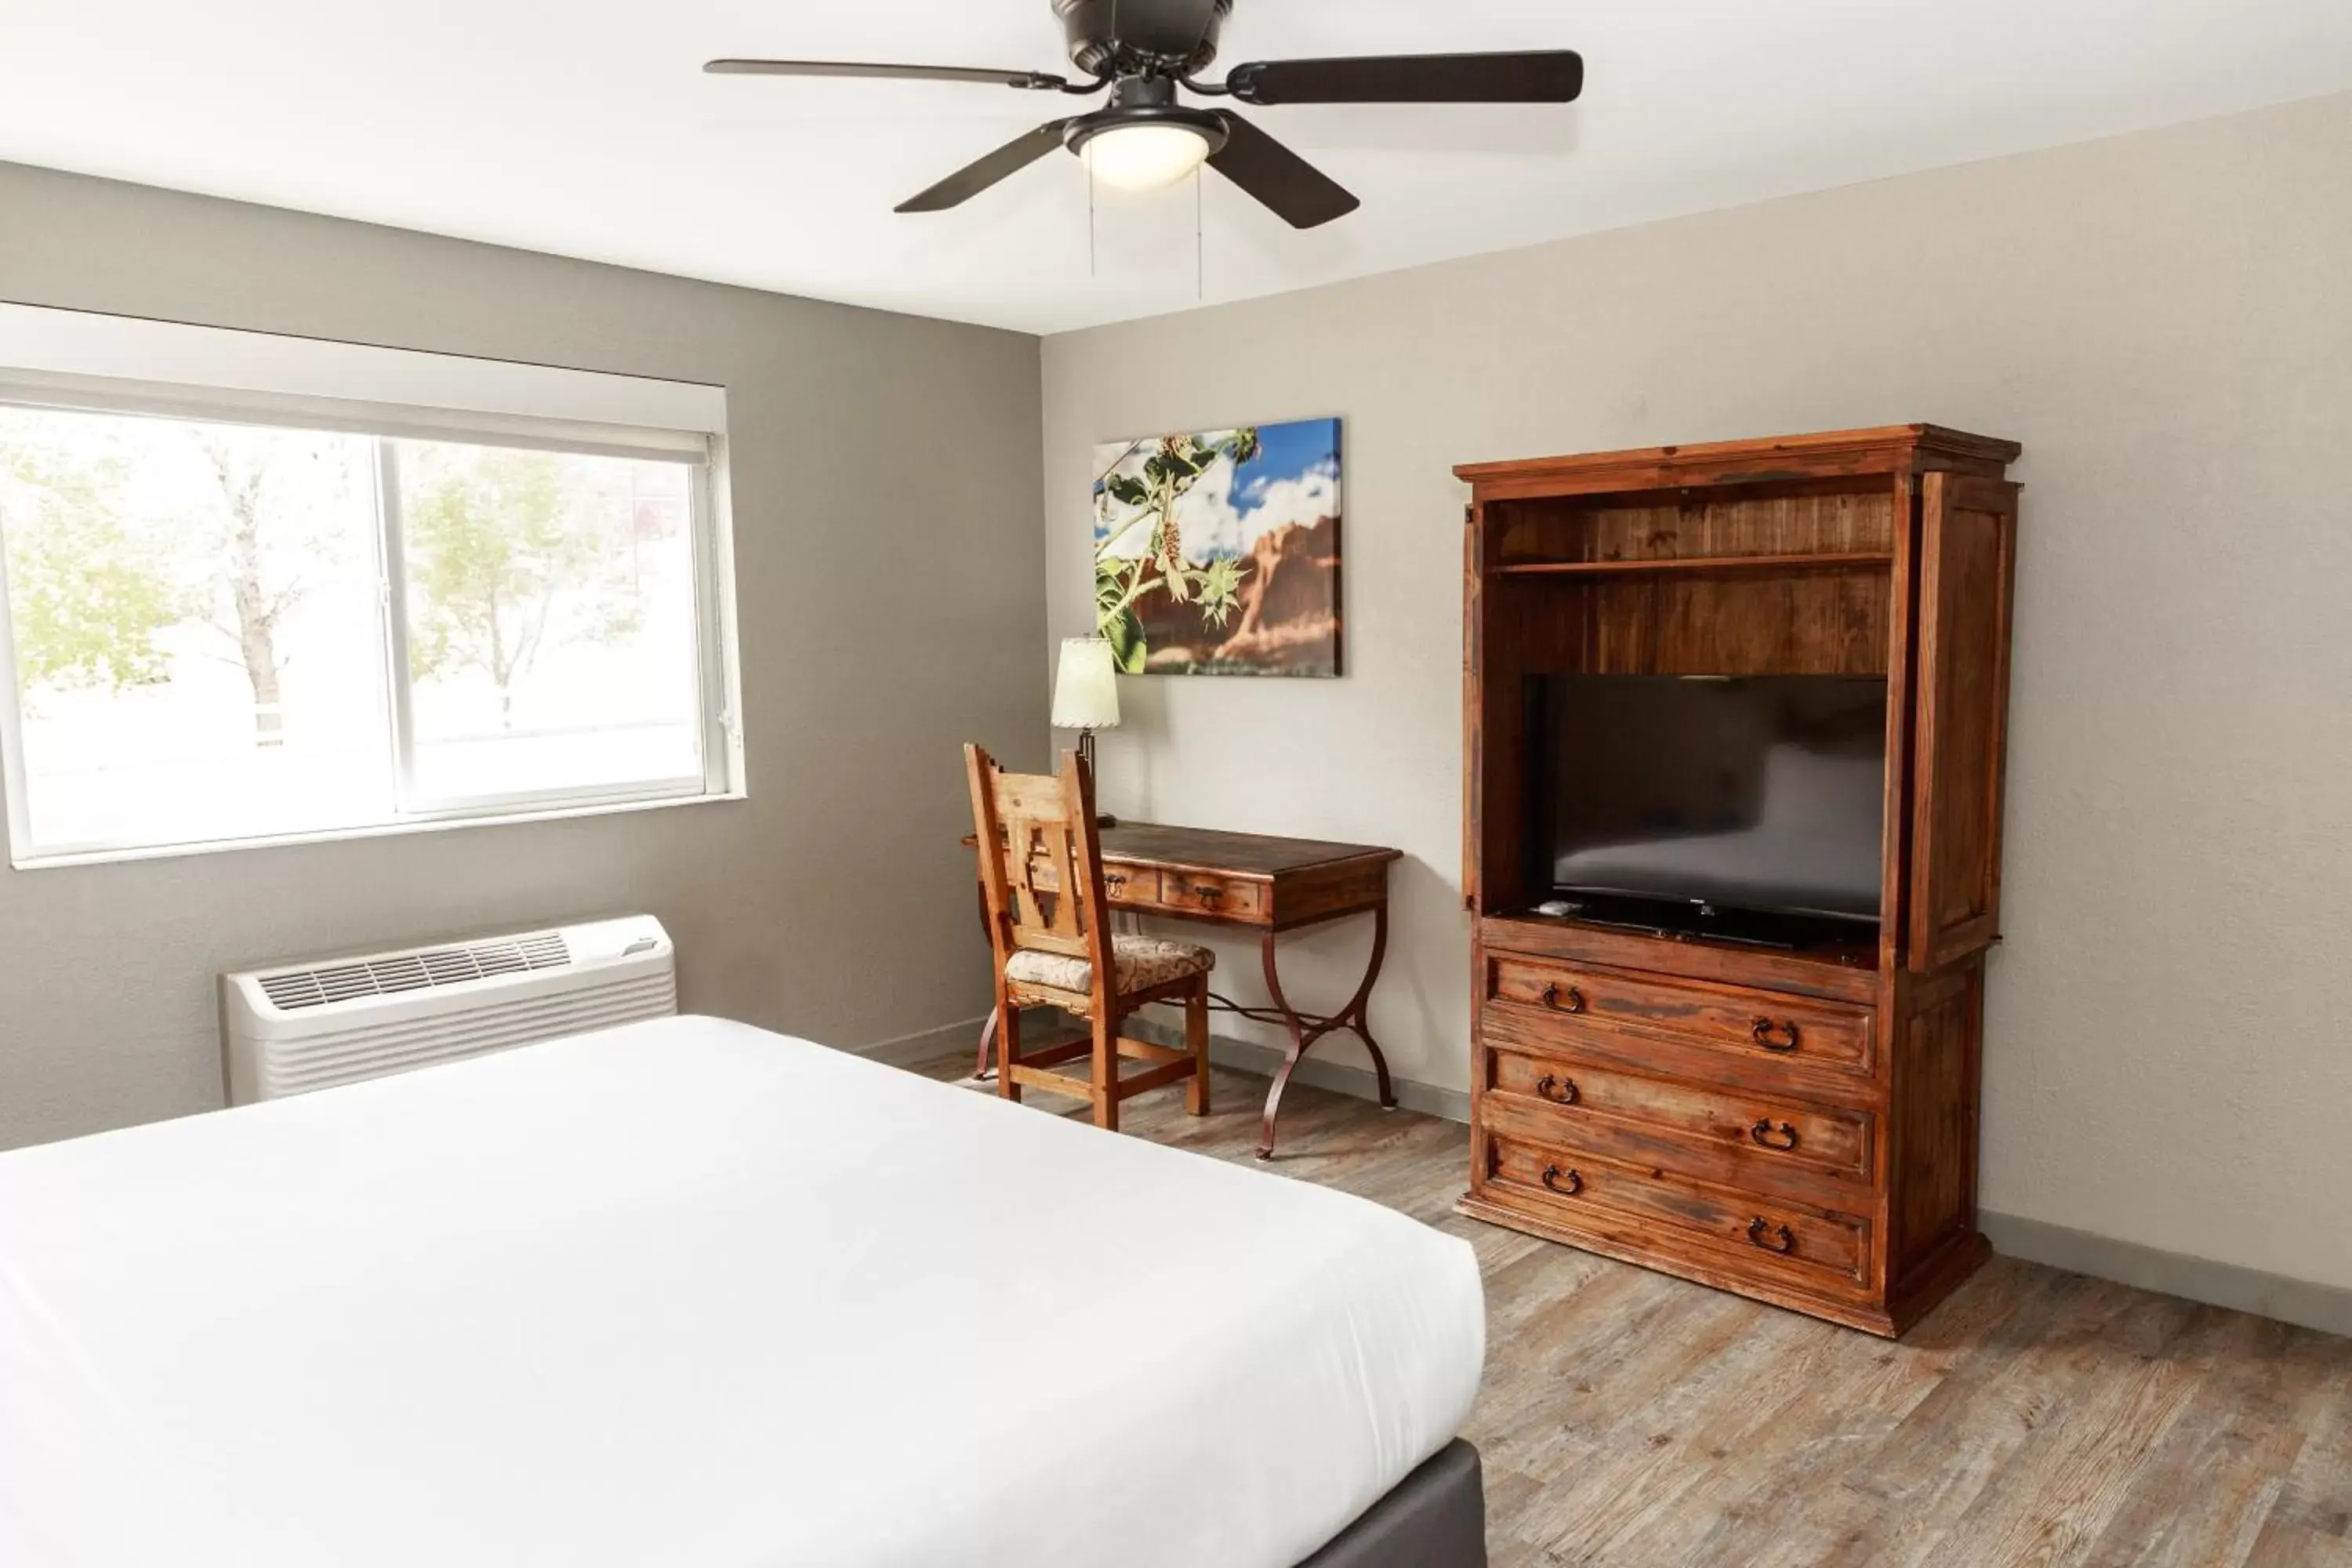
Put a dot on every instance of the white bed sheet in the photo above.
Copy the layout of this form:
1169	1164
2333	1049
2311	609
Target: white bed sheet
689	1293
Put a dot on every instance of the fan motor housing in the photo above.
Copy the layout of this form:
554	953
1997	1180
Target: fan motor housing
1151	35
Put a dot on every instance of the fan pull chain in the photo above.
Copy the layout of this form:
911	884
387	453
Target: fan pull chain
1091	268
1200	246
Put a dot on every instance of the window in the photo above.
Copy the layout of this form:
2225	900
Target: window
235	629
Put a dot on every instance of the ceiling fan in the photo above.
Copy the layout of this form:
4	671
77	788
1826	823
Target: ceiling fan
1142	51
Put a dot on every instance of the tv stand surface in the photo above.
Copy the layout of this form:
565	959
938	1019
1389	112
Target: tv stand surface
1738	928
1849	970
1796	1124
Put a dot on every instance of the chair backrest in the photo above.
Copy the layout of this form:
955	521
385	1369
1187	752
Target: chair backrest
1041	861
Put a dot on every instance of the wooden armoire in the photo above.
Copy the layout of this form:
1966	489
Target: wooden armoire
1795	1123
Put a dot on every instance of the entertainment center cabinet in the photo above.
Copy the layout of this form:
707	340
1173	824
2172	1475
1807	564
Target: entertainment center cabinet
1796	1123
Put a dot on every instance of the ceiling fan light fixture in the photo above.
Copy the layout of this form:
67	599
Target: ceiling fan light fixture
1146	155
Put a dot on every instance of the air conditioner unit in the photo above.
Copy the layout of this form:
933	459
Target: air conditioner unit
292	1028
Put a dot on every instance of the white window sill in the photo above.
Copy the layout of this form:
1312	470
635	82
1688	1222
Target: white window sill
504	818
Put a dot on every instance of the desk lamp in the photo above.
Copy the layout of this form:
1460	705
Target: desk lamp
1085	695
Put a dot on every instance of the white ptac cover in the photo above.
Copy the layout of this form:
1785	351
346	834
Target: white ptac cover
687	1292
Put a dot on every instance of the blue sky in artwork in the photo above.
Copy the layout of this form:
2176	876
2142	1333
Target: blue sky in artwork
1292	482
1289	451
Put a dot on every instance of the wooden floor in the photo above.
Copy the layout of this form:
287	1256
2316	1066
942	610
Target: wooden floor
2038	1417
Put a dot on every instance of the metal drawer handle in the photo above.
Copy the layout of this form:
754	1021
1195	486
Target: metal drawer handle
1208	894
1782	1137
1763	1034
1771	1237
1553	1177
1559	1090
1552	996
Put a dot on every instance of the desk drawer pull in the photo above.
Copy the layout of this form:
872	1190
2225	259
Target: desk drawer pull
1209	893
1782	1137
1559	1090
1771	1237
1567	1184
1569	1001
1775	1036
1114	878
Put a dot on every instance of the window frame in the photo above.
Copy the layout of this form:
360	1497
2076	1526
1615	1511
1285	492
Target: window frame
703	452
411	797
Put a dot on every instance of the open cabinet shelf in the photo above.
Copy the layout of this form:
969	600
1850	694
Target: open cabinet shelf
1849	967
1821	561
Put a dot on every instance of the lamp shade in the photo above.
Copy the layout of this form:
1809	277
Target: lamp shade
1085	690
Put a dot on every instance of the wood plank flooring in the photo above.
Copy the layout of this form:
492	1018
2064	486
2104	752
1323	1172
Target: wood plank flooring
2036	1417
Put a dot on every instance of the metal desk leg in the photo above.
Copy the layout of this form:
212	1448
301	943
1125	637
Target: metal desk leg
1303	1034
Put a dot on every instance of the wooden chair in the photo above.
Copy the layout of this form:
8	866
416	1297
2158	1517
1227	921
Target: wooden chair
1049	923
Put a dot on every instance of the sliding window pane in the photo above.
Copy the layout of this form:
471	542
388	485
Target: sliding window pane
554	646
198	640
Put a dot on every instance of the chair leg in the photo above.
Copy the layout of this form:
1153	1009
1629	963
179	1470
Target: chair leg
1008	1047
1106	1081
1196	1040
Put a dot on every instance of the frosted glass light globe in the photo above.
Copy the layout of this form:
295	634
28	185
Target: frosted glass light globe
1144	157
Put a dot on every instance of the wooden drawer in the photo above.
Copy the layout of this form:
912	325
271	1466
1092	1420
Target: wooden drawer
1199	892
1132	885
1639	1208
1713	1130
1759	1025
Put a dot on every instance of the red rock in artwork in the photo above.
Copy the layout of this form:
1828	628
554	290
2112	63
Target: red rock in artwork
1286	621
1290	617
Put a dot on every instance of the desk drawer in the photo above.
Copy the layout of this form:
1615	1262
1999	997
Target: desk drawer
1205	893
1135	886
1744	1231
1712	1131
1762	1025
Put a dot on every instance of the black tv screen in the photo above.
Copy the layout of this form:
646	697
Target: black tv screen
1763	793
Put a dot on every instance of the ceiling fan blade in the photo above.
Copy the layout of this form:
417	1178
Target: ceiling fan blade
1040	81
974	178
1300	194
1555	76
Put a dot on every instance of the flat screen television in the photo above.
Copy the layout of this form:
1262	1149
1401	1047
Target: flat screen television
1684	802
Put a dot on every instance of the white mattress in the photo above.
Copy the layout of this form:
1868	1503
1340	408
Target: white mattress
691	1293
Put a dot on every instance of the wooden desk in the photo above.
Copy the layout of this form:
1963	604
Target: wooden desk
1266	884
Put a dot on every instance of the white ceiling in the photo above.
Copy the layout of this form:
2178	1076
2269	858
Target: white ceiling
586	129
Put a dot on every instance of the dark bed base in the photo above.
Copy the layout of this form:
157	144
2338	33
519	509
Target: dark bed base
1434	1518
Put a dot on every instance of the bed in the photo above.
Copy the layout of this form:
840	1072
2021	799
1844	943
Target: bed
688	1292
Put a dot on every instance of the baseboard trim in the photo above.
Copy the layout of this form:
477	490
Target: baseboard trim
1452	1104
2326	1308
1241	1056
927	1045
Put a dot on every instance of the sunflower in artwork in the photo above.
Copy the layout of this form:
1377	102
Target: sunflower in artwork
1139	546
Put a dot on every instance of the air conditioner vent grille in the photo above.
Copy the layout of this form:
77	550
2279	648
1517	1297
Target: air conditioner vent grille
296	989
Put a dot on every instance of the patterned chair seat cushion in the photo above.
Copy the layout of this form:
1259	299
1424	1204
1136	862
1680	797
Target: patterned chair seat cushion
1144	962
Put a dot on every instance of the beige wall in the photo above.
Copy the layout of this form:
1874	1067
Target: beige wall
885	491
2164	321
